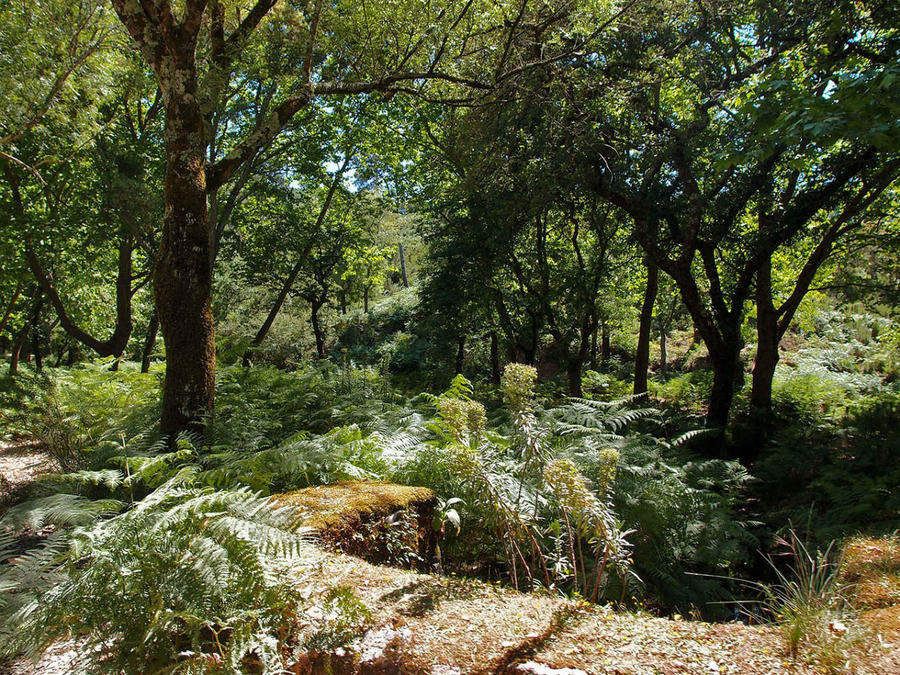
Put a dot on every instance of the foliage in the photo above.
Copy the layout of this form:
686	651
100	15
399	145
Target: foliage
193	580
76	411
345	617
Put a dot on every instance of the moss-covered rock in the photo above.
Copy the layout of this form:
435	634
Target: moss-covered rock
380	522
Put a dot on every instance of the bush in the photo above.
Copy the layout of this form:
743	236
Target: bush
809	602
688	391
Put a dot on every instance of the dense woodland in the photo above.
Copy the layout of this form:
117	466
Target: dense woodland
618	281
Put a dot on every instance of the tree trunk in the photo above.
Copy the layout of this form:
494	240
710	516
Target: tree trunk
36	349
725	380
36	333
317	328
642	358
594	349
605	347
663	353
767	339
460	354
149	342
343	300
495	358
61	352
182	275
17	350
366	299
573	375
11	305
402	265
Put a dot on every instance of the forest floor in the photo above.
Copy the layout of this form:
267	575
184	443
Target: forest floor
449	625
21	462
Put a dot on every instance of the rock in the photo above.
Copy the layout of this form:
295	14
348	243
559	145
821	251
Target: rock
382	523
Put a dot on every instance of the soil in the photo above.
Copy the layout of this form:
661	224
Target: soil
21	462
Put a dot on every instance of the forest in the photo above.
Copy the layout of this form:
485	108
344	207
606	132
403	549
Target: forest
443	337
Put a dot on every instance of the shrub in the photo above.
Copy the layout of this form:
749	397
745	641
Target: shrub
73	412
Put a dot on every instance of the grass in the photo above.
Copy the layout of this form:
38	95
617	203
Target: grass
811	603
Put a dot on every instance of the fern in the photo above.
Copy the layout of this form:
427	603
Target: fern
192	580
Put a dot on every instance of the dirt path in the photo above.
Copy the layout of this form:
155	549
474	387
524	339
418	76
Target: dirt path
20	464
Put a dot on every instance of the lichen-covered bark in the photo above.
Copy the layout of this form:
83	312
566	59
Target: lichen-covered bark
183	275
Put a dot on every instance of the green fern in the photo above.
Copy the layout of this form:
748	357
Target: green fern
192	580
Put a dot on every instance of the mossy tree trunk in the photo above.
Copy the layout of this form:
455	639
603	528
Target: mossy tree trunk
182	274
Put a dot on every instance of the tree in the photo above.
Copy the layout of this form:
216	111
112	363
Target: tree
194	53
731	144
89	218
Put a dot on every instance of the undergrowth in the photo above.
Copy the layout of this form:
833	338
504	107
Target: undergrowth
181	542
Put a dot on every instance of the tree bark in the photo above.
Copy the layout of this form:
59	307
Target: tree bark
402	265
573	376
768	339
495	358
182	275
726	377
460	354
366	299
149	342
605	346
317	328
17	349
60	353
642	358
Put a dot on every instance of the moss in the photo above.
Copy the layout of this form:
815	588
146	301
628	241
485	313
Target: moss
347	503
